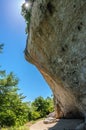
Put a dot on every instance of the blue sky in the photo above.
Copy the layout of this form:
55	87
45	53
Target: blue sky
12	34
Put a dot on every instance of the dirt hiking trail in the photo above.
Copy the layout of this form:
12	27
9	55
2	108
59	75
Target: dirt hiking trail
62	124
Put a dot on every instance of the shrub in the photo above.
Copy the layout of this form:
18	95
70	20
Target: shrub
7	118
26	13
35	115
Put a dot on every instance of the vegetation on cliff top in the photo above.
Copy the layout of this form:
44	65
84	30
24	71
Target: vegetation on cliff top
26	13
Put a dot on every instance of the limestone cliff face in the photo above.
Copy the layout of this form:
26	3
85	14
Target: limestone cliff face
57	46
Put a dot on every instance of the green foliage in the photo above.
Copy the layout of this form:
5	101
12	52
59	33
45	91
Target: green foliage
40	107
7	118
12	110
35	115
17	128
15	112
1	47
43	106
26	13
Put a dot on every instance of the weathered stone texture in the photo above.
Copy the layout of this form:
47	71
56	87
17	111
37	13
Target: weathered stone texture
57	46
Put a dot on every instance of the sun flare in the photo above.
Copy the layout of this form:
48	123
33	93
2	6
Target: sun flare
27	5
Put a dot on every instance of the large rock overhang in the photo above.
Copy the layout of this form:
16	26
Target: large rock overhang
57	47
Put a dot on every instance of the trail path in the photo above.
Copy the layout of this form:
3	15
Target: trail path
68	124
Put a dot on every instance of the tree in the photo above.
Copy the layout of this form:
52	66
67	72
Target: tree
26	13
2	72
43	106
1	47
12	110
50	104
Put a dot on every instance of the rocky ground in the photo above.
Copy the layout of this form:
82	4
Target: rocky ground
62	124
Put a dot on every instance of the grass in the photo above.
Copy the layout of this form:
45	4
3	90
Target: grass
25	127
17	128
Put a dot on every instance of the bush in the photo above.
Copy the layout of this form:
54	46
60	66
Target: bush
43	106
7	118
26	13
35	115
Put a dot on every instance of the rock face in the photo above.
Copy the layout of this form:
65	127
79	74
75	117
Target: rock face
57	46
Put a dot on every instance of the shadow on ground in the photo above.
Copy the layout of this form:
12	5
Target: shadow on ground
66	124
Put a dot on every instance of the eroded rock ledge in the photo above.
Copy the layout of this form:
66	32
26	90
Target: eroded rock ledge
57	46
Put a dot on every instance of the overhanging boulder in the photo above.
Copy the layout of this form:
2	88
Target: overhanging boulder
57	47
